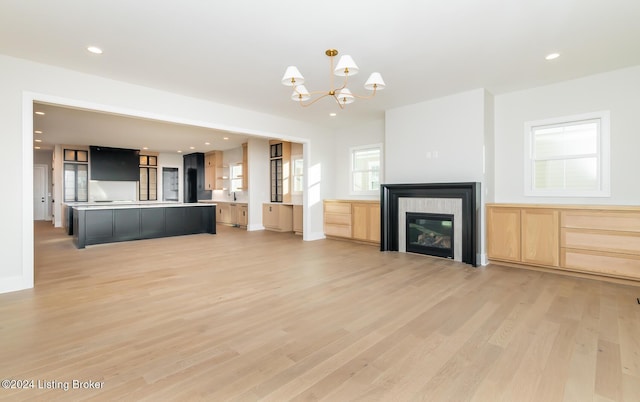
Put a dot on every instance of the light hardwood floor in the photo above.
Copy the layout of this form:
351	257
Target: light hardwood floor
265	316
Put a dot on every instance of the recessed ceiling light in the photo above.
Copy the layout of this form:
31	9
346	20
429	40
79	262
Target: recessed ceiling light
192	147
38	140
225	138
38	132
332	114
36	147
40	113
94	49
207	143
179	151
552	56
145	147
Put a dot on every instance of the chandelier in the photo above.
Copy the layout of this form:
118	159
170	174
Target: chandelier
343	96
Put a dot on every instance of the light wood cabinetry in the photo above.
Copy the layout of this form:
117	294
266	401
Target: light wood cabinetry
337	219
503	228
366	221
212	169
297	219
224	213
277	217
242	218
350	219
232	213
600	240
540	234
245	168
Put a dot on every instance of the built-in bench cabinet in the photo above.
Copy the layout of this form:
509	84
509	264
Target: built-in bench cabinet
597	240
277	217
352	219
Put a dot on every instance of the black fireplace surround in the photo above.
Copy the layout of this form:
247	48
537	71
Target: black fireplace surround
469	193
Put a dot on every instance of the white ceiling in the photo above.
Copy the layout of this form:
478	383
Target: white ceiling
235	52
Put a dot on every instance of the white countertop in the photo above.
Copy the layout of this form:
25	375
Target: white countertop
129	205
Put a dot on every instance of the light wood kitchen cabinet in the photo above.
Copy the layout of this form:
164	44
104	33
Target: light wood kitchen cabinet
242	217
211	170
297	219
354	220
232	213
224	213
595	240
277	217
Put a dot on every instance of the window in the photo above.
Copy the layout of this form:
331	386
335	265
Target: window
236	177
76	179
366	169
298	174
568	156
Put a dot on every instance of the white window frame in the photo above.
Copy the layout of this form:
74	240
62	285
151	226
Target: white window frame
295	158
603	155
352	171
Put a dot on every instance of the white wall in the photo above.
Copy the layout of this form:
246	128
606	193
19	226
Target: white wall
371	132
24	82
617	91
436	141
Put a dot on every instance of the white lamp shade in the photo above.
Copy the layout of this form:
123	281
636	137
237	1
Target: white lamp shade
345	96
345	66
300	94
292	77
375	81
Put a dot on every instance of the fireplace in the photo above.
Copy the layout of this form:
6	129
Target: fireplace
430	234
464	197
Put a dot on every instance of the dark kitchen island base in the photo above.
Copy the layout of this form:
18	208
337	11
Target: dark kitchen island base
100	225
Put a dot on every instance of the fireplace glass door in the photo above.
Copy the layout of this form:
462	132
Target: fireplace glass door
430	234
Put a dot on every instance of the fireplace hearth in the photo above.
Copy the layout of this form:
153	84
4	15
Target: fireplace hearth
430	234
468	194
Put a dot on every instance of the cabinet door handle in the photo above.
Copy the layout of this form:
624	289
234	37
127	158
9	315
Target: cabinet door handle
269	209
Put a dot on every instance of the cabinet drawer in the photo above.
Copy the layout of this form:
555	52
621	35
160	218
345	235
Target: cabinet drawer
338	219
610	264
616	242
603	220
337	230
337	207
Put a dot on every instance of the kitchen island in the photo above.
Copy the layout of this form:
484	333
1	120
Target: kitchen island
97	224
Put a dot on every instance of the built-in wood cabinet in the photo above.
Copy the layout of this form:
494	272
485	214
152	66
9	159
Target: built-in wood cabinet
297	219
232	213
277	217
242	215
351	219
600	240
245	167
366	221
212	169
503	228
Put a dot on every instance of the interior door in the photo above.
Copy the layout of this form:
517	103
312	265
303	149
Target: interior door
39	192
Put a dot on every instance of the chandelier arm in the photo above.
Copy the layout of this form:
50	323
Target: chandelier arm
313	101
338	101
366	96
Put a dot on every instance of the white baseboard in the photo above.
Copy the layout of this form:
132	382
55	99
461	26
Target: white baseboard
314	236
253	227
